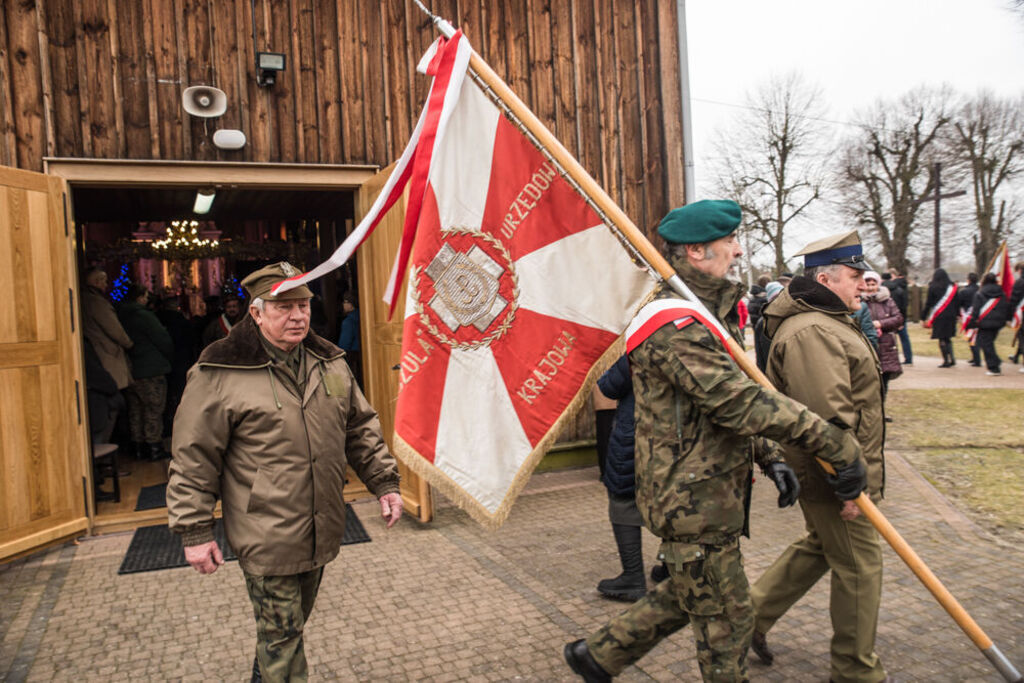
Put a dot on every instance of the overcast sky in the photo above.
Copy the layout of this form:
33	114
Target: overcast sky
856	52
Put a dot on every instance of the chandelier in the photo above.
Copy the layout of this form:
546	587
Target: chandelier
183	242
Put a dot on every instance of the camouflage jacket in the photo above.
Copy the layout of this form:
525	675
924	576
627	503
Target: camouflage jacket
696	412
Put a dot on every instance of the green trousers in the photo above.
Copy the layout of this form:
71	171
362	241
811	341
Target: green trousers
708	588
853	553
281	605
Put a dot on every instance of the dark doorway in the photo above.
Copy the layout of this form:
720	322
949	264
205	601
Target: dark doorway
244	229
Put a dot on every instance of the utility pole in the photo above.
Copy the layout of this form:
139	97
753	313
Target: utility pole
937	198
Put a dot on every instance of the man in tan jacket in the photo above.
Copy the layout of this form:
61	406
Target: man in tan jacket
101	327
268	421
820	357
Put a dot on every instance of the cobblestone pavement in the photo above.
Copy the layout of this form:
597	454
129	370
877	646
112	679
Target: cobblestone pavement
449	601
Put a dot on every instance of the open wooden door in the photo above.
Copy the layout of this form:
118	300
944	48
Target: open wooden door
381	339
43	457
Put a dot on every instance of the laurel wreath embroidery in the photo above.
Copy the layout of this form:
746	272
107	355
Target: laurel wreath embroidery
503	327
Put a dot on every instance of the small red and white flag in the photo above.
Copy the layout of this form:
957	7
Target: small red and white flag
1002	270
518	294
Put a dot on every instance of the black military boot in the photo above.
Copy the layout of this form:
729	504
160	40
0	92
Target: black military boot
631	584
583	664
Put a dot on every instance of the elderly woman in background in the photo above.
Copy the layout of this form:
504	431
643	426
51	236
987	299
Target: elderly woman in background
887	320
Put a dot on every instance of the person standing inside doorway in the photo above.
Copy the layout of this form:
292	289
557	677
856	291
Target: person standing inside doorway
151	357
101	326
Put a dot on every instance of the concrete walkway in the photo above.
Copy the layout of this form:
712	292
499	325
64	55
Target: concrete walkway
449	601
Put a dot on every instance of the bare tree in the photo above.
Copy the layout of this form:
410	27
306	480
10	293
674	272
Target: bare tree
987	139
769	159
884	169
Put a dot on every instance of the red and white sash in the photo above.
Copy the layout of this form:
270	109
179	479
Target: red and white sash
225	324
660	312
942	304
1018	315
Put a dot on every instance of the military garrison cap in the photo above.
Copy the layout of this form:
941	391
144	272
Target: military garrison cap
259	283
703	221
843	249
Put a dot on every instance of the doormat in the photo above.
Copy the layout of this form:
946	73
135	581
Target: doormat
157	547
152	497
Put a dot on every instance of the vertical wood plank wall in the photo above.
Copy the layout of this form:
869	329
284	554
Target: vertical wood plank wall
103	79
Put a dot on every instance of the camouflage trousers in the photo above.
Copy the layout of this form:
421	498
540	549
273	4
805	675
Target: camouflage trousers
146	398
708	588
281	605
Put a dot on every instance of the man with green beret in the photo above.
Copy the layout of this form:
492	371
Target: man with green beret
700	425
269	419
820	357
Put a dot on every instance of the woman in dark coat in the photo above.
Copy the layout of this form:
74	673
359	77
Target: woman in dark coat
941	314
887	319
620	480
990	312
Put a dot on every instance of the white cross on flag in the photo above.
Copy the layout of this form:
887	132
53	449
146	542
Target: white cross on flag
517	292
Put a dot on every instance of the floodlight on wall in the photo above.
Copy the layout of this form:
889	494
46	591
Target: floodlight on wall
204	200
267	66
204	101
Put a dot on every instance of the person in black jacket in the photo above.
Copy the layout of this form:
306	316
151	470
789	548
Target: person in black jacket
619	479
941	314
1016	298
965	302
755	303
990	312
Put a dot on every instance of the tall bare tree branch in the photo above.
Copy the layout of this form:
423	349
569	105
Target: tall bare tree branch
769	159
986	139
884	169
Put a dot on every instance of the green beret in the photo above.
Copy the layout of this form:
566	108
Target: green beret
259	283
703	221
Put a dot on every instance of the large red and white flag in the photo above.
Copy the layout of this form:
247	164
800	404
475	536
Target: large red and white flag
518	294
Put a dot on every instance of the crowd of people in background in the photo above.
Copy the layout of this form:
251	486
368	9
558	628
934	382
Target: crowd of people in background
974	310
138	352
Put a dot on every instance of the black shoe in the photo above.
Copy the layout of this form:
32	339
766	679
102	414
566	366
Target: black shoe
256	676
946	364
625	587
659	573
759	644
974	365
157	452
579	659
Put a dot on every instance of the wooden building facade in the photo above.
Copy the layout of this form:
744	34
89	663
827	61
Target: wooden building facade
91	93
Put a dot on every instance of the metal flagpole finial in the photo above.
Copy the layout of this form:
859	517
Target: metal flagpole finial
446	29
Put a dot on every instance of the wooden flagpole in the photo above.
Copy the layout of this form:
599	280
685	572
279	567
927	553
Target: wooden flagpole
551	145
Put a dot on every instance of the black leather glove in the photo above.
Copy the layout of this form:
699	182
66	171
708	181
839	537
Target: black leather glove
849	481
785	481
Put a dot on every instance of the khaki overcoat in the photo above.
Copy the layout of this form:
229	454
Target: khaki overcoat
101	326
820	357
275	459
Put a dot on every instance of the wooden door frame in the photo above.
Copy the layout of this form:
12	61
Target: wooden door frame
149	174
